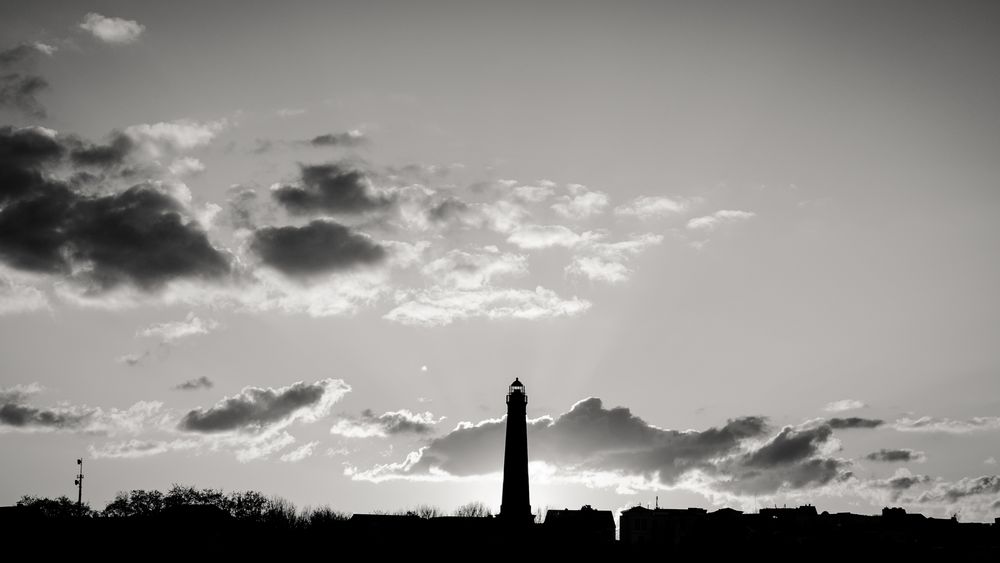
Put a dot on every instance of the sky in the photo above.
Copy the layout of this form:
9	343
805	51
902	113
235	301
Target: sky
739	253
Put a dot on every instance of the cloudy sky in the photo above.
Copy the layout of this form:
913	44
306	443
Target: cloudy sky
740	253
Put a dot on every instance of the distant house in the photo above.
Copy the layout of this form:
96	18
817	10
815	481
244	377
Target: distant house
584	526
641	526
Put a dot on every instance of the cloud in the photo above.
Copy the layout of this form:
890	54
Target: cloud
186	166
581	203
443	306
790	445
465	270
647	207
322	246
503	216
256	409
451	209
710	222
136	448
17	415
44	48
947	425
144	236
195	384
140	237
167	335
844	405
387	424
605	261
107	155
341	293
978	494
172	331
19	85
612	447
854	422
331	188
599	269
533	194
20	54
896	455
535	237
20	91
18	297
158	139
352	138
300	453
898	484
116	31
14	413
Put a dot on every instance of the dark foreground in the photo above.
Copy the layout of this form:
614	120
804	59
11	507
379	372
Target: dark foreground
199	532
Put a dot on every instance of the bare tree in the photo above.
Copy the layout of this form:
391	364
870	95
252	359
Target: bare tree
427	511
474	509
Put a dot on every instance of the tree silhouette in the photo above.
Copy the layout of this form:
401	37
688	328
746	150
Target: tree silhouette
474	509
134	503
61	507
427	511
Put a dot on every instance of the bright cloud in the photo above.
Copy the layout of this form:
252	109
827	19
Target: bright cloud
710	222
112	30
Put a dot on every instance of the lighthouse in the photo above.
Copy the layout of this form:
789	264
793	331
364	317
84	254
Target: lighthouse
515	508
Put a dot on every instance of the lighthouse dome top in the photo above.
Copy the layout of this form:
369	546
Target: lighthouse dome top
516	391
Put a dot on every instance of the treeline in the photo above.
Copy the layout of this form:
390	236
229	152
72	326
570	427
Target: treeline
242	506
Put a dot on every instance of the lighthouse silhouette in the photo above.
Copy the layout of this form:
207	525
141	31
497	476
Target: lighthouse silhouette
515	508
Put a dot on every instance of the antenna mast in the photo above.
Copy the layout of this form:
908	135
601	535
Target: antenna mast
79	488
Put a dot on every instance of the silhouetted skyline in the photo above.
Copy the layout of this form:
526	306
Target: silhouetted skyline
743	253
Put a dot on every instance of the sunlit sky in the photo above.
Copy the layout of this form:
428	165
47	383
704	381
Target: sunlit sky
740	253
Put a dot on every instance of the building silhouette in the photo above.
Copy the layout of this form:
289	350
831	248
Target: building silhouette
515	507
586	526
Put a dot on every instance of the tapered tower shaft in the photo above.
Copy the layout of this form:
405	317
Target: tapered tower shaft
515	505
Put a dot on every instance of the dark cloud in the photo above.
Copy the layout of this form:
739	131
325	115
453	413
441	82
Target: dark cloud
895	455
350	139
140	236
24	154
854	422
967	487
242	208
399	422
903	482
111	154
331	188
19	54
447	210
195	384
24	416
318	247
14	412
811	472
255	409
386	424
790	445
18	89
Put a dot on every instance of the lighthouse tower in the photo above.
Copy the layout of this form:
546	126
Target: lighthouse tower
515	507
